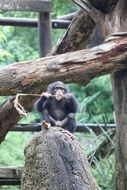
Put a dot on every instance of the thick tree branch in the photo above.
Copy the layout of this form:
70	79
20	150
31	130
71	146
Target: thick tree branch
79	67
77	35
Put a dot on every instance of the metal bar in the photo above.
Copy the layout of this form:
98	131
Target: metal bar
10	176
44	32
10	181
28	22
60	24
80	128
26	5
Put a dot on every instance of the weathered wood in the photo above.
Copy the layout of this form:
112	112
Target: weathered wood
55	160
26	5
120	97
9	109
34	127
77	35
70	42
79	67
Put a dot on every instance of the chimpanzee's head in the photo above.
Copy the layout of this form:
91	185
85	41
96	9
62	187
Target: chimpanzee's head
54	87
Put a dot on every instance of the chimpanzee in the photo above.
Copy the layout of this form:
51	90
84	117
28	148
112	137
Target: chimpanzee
58	107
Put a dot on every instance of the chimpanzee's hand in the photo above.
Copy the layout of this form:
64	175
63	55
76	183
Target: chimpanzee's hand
58	123
71	115
46	94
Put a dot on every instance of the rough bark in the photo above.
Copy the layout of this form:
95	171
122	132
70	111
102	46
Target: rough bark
115	21
77	35
120	97
64	44
55	160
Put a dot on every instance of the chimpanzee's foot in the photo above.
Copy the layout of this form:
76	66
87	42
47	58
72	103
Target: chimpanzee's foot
45	125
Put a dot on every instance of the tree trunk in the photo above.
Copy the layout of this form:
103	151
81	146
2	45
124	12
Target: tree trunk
55	160
115	21
120	103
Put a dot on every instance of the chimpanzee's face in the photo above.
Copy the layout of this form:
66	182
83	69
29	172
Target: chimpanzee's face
56	87
59	90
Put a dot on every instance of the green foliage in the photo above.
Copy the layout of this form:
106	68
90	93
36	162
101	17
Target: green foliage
102	169
61	8
95	101
3	187
31	118
18	44
12	149
104	172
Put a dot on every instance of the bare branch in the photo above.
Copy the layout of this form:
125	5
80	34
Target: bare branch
91	10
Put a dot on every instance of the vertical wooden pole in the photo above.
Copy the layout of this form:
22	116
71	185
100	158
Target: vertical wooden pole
120	103
44	28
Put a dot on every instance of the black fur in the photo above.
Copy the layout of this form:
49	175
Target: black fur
52	110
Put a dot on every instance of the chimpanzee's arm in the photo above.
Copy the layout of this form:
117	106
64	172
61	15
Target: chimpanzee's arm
42	102
71	103
69	117
52	120
39	103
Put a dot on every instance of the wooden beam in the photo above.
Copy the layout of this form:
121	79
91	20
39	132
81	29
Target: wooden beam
26	5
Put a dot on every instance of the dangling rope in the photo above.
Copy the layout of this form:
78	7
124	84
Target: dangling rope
20	109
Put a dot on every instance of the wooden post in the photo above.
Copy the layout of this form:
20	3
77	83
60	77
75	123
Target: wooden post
120	103
44	29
